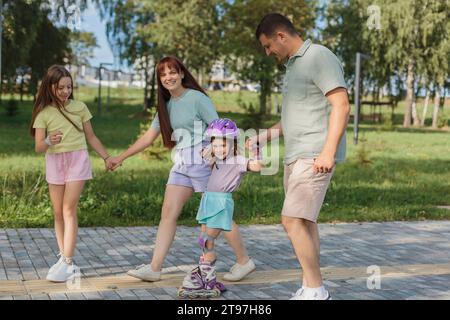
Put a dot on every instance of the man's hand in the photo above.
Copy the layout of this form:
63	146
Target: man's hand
252	143
324	163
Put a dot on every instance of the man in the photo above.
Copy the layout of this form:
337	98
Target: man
315	111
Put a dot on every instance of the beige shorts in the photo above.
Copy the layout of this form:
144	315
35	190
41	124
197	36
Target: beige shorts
304	190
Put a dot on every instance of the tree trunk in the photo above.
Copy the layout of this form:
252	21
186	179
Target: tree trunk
146	80
409	94
415	114
437	100
263	98
425	108
269	104
152	87
22	82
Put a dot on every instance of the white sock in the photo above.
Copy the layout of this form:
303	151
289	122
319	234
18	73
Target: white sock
320	291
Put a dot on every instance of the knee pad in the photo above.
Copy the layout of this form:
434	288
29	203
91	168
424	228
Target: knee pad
203	240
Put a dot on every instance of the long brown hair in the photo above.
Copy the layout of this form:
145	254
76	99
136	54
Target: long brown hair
46	95
187	82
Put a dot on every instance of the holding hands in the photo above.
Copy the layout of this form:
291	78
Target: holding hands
112	163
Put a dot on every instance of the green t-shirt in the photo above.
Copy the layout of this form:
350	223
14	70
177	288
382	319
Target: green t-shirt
185	112
51	119
311	72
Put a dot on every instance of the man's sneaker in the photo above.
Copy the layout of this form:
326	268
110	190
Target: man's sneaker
64	272
303	294
53	267
145	272
240	271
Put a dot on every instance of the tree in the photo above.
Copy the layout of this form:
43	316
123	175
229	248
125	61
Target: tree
244	53
82	44
19	32
28	25
125	21
188	29
412	43
52	46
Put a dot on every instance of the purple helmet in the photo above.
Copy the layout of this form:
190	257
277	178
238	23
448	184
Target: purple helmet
222	128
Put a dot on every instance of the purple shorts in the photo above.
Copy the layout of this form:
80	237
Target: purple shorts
190	169
68	166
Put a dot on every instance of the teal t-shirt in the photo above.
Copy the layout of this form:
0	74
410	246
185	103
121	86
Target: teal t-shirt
190	114
311	73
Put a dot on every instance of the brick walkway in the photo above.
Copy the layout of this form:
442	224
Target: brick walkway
413	257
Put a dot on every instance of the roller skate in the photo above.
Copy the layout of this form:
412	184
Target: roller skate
201	282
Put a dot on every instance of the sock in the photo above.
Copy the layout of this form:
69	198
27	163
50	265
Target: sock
320	291
68	260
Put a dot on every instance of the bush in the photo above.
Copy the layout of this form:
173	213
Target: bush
252	119
12	108
156	150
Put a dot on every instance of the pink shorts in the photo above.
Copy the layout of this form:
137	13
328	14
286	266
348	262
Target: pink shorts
68	166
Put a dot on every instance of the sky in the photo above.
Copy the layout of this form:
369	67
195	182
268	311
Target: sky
91	22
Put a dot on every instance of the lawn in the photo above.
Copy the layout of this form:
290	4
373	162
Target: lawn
392	174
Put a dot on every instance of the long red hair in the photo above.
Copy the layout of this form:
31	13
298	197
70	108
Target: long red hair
47	95
187	82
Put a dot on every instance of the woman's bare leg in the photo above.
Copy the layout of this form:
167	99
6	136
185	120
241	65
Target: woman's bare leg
174	199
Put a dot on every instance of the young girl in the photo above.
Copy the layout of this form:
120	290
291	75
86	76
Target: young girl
215	213
61	127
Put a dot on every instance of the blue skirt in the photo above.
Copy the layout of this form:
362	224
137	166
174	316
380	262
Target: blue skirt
216	210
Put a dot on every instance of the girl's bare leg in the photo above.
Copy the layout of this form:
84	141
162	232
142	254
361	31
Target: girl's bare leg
57	197
70	203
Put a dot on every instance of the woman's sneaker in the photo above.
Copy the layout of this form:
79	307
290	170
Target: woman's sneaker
53	267
64	272
145	272
240	271
308	294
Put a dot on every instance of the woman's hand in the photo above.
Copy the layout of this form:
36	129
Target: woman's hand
112	163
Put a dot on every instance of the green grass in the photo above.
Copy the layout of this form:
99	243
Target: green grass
393	174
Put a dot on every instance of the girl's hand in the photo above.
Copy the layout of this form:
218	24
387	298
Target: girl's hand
112	163
55	137
106	162
207	153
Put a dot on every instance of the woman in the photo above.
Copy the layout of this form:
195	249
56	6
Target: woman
182	106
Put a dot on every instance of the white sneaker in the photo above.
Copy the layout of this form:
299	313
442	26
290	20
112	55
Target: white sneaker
64	272
303	294
145	272
298	294
53	267
240	271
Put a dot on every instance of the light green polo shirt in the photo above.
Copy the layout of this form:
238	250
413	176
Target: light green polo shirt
311	72
184	112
